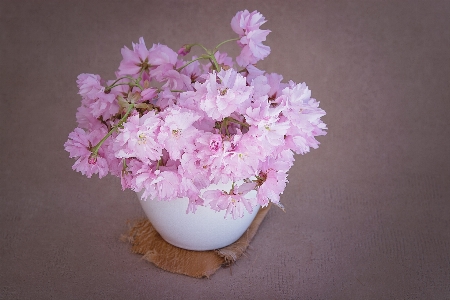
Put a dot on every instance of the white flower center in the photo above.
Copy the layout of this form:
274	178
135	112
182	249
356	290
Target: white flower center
142	139
176	133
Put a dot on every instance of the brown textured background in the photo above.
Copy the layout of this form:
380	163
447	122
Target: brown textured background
368	213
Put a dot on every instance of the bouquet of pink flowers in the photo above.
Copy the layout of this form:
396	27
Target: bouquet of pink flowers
171	127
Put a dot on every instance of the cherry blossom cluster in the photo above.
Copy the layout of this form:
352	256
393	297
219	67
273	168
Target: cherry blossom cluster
171	127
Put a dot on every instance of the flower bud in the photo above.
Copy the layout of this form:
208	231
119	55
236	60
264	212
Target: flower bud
185	49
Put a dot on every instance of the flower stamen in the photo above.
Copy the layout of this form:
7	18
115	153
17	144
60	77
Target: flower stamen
142	139
223	92
176	132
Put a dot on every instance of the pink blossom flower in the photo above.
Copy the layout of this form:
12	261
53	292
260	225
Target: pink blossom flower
94	98
222	99
296	95
134	60
252	48
126	180
161	54
115	165
241	158
143	176
79	146
86	120
175	80
125	169
148	94
166	98
206	160
252	73
166	184
244	22
89	85
246	25
194	202
193	168
267	127
177	134
260	88
189	187
233	203
304	115
274	184
273	178
105	105
274	81
191	100
137	138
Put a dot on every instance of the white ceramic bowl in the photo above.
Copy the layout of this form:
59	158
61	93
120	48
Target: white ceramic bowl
205	229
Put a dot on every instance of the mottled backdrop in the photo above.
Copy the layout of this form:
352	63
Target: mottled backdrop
368	213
